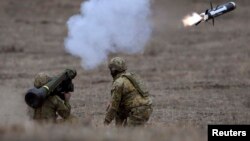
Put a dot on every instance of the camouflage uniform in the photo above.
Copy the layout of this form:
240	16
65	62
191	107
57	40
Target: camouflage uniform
52	106
131	102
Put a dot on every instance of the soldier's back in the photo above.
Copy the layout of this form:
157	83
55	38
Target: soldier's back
136	100
134	92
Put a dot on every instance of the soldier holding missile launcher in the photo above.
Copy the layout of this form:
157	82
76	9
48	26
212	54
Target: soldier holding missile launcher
51	96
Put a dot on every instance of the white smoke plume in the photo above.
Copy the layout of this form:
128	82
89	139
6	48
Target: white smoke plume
108	26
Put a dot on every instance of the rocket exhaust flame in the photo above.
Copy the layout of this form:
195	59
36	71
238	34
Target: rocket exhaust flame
191	20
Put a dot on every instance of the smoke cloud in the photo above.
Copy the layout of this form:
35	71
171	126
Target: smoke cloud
108	26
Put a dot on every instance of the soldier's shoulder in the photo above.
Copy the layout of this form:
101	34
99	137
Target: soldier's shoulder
118	81
130	75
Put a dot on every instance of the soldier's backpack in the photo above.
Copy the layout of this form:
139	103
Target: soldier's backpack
137	83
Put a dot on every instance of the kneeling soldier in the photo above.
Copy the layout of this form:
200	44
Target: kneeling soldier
53	105
131	103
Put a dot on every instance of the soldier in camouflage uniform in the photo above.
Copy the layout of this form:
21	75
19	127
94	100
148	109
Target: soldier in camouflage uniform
53	105
131	103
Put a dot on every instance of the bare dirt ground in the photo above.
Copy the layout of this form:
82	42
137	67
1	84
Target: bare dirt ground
197	76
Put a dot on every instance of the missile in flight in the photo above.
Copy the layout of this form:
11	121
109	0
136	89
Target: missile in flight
209	14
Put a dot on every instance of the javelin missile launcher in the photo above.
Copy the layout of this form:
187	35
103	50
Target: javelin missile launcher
60	84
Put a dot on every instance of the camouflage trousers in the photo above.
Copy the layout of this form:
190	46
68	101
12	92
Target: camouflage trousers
136	117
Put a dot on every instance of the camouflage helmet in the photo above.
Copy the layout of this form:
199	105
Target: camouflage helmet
117	64
41	79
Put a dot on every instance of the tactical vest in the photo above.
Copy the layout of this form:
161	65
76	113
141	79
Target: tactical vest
137	83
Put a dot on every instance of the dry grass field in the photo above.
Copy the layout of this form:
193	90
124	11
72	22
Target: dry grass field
197	76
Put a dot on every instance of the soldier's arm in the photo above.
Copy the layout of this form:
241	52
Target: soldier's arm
63	108
116	94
